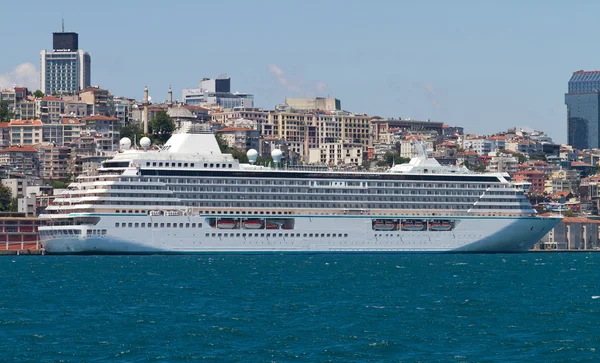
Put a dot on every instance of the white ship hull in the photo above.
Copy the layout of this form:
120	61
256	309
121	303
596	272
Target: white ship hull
311	234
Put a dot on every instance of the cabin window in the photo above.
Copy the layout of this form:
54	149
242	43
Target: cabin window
117	225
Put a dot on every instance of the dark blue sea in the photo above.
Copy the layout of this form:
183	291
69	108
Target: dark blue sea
301	308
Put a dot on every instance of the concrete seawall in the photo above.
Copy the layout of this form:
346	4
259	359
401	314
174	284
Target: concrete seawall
22	252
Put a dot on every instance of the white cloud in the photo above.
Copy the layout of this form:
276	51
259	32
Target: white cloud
282	79
25	74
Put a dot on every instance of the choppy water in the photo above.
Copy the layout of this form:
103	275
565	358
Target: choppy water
287	308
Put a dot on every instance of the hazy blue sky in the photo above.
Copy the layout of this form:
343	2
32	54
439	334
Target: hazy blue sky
484	65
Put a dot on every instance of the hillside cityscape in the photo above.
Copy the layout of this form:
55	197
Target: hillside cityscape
72	123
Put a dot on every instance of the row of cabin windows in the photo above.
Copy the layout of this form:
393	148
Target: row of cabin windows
156	225
324	235
185	165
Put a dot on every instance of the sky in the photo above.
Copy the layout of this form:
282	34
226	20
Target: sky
483	65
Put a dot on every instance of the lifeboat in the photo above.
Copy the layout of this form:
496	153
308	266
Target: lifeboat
413	226
252	224
271	225
384	226
440	226
225	224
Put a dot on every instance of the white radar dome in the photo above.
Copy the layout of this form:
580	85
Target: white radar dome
125	143
276	155
145	142
252	155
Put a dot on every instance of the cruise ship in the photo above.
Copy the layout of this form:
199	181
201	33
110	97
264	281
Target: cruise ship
188	197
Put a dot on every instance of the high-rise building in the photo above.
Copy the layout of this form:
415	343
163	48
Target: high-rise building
216	91
66	69
583	110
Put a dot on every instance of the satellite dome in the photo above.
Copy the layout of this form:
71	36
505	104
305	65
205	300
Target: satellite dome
145	142
125	143
252	155
276	155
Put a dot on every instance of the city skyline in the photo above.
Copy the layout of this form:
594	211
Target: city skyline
485	67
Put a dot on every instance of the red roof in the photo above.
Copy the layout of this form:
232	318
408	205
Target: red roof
25	122
70	120
50	98
4	125
23	149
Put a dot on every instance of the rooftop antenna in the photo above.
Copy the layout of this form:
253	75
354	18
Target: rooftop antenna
63	24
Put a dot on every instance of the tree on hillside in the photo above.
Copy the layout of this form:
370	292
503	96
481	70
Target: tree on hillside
5	198
132	131
38	94
5	114
226	149
161	127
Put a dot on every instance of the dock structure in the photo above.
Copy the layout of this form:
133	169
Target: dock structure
19	234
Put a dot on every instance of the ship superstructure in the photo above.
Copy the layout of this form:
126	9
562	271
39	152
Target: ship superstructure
188	197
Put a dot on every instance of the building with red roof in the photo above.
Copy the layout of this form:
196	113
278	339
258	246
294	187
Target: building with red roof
535	177
26	132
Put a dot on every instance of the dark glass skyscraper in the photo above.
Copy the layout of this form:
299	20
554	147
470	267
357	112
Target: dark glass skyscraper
583	110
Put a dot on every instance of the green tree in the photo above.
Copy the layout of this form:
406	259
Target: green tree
568	213
5	114
14	205
38	94
132	131
366	164
161	126
5	198
226	149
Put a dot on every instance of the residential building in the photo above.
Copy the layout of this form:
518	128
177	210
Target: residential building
53	134
583	110
312	104
17	186
77	109
257	115
49	109
336	153
502	163
107	127
4	134
380	126
123	109
26	110
54	162
25	132
241	138
10	97
66	69
477	144
100	100
536	178
20	160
